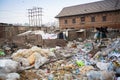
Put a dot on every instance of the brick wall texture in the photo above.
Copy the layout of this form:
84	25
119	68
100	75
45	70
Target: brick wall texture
112	21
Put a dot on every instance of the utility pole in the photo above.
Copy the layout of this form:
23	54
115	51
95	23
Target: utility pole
35	16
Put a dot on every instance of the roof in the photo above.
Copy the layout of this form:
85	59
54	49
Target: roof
99	6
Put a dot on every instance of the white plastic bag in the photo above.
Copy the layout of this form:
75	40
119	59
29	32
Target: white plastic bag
103	66
101	75
13	76
24	62
39	61
8	65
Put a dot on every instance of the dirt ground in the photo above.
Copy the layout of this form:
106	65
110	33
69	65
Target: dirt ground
28	75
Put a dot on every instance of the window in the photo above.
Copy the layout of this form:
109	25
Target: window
92	19
73	20
82	19
104	18
65	22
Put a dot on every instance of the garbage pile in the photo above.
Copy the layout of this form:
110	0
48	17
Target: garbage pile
77	61
39	32
33	56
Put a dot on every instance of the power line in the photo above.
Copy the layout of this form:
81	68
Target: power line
35	16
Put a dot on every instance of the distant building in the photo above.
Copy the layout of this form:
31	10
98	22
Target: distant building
104	13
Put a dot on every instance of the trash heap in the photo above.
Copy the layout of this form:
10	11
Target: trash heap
77	61
33	56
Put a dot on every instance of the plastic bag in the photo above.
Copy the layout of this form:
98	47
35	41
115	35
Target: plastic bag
39	60
8	65
13	76
103	66
93	75
101	75
24	61
9	76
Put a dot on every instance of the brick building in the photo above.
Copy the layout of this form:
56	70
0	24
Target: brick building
104	13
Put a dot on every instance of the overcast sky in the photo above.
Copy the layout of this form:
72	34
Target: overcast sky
15	11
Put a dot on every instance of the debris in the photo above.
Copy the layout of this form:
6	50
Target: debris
76	61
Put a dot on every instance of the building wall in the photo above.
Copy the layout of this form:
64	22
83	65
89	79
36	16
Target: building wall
2	31
8	31
112	20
